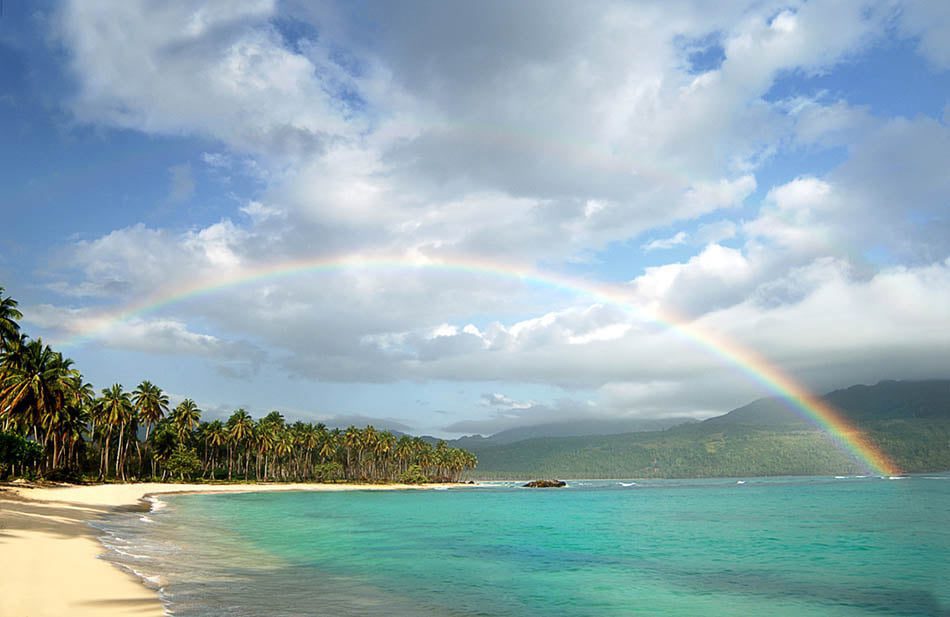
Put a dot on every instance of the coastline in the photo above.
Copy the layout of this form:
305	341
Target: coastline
51	552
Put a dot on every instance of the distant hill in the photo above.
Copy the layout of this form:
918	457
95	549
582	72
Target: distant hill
910	420
887	399
574	428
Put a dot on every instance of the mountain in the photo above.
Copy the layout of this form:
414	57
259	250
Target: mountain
909	420
887	399
574	428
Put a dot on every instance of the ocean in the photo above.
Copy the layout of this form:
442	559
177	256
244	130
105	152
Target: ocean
760	546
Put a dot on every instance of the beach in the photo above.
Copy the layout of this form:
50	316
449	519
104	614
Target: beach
50	552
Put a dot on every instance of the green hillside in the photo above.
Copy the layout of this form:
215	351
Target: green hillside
910	421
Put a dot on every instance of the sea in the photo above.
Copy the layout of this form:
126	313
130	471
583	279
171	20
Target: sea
817	546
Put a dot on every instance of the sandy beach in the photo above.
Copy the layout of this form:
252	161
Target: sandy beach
50	564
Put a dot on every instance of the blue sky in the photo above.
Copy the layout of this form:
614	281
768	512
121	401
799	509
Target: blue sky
775	172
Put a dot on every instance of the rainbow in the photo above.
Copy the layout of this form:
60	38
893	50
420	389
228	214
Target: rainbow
756	367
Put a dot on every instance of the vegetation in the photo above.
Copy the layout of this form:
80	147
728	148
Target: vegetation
909	421
52	424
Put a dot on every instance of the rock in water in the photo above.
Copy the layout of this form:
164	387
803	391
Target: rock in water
545	484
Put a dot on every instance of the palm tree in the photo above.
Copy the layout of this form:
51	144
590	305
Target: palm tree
240	429
151	404
352	442
215	436
283	448
115	409
186	417
310	439
74	427
383	451
163	443
9	328
370	435
270	427
328	444
404	452
35	385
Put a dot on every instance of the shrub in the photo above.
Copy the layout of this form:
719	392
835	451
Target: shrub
413	475
17	452
328	472
183	462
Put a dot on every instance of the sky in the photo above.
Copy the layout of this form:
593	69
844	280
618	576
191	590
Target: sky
776	174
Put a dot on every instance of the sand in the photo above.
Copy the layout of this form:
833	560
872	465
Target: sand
49	565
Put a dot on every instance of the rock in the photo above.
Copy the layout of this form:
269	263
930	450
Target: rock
546	484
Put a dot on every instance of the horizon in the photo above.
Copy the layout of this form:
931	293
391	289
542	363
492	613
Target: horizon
772	174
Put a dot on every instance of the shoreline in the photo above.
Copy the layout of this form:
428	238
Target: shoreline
52	554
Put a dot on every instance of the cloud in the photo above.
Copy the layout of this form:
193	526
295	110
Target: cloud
929	22
259	212
705	282
573	131
343	421
504	417
500	400
218	70
712	233
889	194
590	130
153	336
666	243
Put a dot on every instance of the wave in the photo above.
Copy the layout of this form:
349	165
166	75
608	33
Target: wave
153	581
157	504
627	483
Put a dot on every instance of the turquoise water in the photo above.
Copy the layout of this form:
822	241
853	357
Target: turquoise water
792	546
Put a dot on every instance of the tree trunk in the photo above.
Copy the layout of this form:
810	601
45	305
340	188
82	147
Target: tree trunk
105	458
118	455
55	451
148	452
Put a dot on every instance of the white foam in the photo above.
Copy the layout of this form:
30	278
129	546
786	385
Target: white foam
146	519
127	553
740	481
157	504
153	580
627	483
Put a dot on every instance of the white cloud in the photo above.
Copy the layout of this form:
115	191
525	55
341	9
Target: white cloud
677	239
148	335
930	23
701	281
574	130
259	212
793	216
500	400
219	70
589	130
711	233
709	197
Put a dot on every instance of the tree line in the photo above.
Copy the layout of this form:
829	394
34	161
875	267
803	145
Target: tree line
53	424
